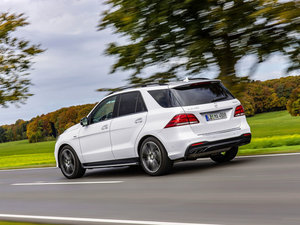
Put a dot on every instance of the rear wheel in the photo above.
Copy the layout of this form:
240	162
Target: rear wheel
154	158
69	163
225	156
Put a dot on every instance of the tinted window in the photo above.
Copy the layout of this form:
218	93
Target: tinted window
164	98
131	102
105	110
202	93
140	105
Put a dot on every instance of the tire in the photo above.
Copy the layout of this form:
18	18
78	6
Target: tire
69	163
225	156
154	158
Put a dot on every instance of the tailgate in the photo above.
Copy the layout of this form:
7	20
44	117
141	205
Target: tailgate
214	117
211	103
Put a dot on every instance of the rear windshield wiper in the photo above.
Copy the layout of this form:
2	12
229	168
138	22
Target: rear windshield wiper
219	98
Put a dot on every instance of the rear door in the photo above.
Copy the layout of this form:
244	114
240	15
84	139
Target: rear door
130	120
211	103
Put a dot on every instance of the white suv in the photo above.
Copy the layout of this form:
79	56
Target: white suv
155	126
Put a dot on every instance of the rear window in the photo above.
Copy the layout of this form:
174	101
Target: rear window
164	98
202	93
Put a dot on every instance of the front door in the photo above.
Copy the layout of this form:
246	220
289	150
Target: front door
95	138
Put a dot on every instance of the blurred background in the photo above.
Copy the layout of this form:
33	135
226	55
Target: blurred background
59	57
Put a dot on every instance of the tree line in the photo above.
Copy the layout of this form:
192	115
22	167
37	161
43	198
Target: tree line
258	97
44	127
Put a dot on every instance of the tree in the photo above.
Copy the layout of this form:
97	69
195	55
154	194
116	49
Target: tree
193	35
15	60
293	104
2	135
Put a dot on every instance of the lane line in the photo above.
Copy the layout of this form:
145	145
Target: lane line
41	168
259	156
270	155
68	183
94	220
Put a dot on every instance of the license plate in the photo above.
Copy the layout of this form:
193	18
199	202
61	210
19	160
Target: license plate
215	116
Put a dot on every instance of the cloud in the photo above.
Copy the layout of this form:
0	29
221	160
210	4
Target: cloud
73	66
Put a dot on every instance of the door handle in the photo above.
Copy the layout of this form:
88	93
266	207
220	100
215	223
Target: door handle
104	127
139	120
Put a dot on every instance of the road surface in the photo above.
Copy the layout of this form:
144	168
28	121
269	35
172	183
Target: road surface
248	190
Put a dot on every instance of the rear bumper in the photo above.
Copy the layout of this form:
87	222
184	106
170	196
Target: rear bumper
203	149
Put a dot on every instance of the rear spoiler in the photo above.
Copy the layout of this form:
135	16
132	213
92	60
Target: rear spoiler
193	82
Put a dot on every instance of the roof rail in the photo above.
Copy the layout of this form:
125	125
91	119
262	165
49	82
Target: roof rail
198	78
136	86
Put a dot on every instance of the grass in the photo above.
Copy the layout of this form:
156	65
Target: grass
274	124
22	154
274	150
273	132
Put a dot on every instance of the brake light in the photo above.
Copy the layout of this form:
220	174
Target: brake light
182	119
239	111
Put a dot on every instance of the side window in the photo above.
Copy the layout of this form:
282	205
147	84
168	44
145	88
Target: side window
130	103
164	98
140	105
105	110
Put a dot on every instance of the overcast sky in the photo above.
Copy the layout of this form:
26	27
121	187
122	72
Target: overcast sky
74	66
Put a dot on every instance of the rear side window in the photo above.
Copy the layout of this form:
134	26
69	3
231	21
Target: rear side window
164	98
130	103
202	93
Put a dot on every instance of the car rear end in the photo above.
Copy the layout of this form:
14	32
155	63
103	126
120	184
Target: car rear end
211	120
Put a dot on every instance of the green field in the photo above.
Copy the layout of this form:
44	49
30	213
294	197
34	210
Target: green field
274	132
21	154
274	124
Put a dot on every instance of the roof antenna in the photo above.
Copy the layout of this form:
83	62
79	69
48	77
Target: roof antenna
186	79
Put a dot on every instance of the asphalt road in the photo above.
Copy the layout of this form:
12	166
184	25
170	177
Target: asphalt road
250	190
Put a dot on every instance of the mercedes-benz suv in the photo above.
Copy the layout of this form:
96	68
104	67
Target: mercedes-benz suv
155	126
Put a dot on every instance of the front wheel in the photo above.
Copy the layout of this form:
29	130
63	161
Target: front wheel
69	163
225	156
154	158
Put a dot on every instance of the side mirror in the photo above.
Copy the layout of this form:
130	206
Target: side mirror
84	121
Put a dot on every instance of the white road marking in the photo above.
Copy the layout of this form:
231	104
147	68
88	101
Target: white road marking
41	168
269	155
258	156
94	220
67	183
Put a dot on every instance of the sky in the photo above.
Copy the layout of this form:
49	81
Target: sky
74	65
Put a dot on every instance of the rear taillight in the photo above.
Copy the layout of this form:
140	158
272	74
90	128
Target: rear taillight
181	120
239	111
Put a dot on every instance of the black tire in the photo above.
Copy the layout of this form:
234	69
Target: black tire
225	156
69	163
154	158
